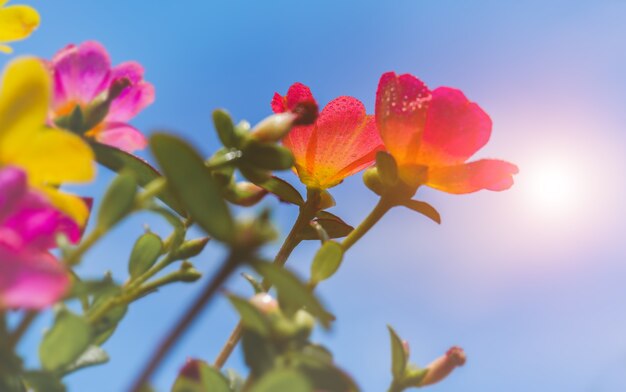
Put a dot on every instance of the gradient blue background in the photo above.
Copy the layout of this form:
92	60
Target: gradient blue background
535	296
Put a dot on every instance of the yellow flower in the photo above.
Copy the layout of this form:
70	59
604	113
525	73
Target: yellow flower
50	157
16	22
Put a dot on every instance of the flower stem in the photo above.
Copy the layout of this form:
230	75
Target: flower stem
22	327
186	320
383	206
293	239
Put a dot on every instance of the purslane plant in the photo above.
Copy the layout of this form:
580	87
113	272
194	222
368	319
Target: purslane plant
60	118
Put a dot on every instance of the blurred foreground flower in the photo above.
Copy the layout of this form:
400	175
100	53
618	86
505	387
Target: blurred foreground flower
16	23
432	133
84	78
30	277
343	141
50	157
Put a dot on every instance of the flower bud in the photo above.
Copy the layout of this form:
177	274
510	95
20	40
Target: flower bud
273	128
372	181
441	367
191	370
246	194
265	303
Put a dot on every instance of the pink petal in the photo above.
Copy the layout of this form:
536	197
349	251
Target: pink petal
13	186
491	174
455	129
122	136
134	98
401	106
81	73
343	141
29	279
296	94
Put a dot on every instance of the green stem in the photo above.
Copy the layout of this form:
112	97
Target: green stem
77	253
186	320
307	212
383	206
22	327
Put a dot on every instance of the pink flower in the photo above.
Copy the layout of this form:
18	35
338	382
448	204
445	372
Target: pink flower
341	142
83	74
30	277
432	134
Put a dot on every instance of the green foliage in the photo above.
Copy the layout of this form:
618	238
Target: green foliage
198	376
118	201
267	156
333	226
41	381
194	186
423	208
292	293
399	356
326	261
118	160
145	253
284	190
64	343
251	317
225	129
283	380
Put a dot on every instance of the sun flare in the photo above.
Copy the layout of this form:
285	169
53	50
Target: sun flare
554	187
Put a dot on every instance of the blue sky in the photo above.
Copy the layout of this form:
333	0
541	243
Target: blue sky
530	281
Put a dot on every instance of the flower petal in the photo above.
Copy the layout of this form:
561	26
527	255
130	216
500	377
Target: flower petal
17	22
55	156
24	99
401	106
81	73
134	98
343	141
455	129
30	279
13	186
122	136
73	206
491	174
296	94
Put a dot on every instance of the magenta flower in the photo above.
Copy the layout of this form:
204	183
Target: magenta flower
82	74
30	276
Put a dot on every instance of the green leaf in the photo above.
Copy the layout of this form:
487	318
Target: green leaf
68	338
107	324
399	356
85	288
293	293
192	182
118	200
93	356
117	160
198	376
191	248
267	155
39	381
326	262
254	174
178	236
424	209
317	364
259	352
283	380
387	168
326	200
284	190
256	285
251	317
145	253
334	226
225	128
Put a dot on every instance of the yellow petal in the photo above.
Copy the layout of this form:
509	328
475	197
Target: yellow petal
17	22
55	156
24	100
71	205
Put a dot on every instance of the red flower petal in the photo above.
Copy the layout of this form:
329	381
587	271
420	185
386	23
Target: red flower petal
343	141
455	129
401	107
491	174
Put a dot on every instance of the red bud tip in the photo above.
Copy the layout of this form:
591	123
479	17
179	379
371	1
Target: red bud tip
191	370
306	112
